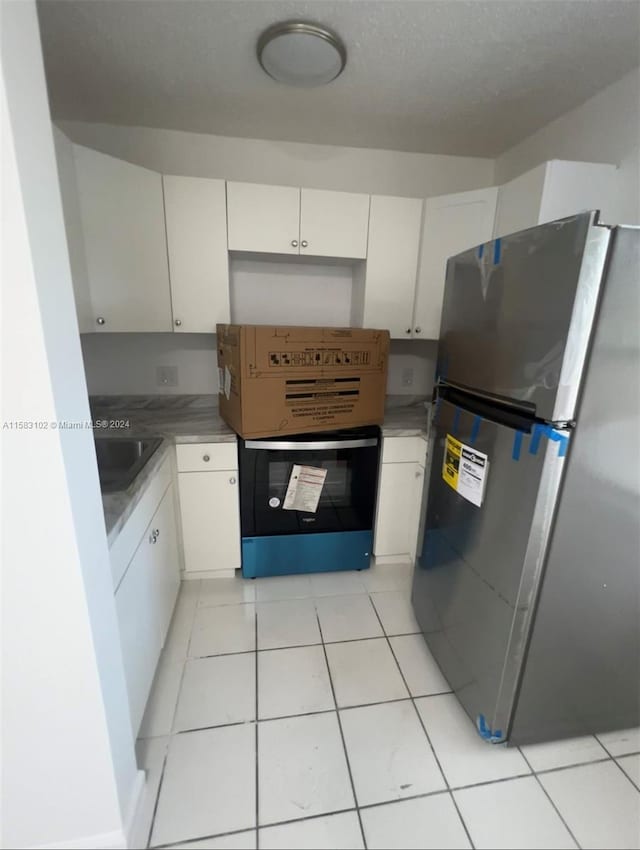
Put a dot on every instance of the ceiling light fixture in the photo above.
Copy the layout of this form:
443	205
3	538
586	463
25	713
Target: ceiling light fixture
301	54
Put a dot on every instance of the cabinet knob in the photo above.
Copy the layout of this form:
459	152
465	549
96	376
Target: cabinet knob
232	480
294	243
418	330
100	320
178	322
153	537
304	243
205	458
156	531
408	331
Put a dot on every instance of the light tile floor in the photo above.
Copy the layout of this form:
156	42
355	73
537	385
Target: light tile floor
307	712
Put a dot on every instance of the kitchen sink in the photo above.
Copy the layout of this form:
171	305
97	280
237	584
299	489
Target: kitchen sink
120	459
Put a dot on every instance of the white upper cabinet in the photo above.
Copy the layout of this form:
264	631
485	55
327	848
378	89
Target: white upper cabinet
286	220
73	229
333	224
196	216
122	215
452	223
555	189
263	219
388	288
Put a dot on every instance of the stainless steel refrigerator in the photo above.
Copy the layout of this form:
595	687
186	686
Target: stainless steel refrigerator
527	580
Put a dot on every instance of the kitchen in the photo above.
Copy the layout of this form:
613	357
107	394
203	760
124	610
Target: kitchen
267	710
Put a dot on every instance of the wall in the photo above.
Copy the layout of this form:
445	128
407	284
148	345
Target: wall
606	128
68	766
286	163
127	363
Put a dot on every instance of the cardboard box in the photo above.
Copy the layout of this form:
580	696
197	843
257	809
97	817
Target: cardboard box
293	380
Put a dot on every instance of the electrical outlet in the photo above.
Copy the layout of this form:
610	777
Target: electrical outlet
407	377
167	376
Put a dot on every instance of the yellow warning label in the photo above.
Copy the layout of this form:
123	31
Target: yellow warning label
451	461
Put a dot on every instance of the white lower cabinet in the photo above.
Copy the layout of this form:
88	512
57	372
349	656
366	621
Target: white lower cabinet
209	507
399	498
145	599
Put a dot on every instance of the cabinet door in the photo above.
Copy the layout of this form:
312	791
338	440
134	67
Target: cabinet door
210	520
392	261
333	224
452	223
263	218
122	213
138	628
397	515
73	229
574	187
196	215
166	566
519	202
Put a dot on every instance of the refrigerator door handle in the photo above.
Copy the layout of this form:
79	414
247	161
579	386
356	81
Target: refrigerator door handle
481	405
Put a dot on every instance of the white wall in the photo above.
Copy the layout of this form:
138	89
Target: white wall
68	763
606	128
286	163
126	364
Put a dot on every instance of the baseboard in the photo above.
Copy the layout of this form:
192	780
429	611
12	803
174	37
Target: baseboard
195	576
381	560
135	803
102	841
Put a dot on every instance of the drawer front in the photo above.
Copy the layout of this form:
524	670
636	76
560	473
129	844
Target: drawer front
204	457
403	450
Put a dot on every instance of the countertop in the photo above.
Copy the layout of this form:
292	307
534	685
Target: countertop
195	419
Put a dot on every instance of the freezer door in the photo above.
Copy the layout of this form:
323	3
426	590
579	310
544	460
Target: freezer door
518	313
476	575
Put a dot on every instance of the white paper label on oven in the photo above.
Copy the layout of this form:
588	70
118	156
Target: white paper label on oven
304	488
220	380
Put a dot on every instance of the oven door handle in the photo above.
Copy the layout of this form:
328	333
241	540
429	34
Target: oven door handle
320	445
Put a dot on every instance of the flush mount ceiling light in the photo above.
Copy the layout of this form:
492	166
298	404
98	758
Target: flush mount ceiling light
301	54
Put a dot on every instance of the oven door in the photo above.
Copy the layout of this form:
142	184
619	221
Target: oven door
348	497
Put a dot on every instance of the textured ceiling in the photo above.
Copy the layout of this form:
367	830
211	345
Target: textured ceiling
454	77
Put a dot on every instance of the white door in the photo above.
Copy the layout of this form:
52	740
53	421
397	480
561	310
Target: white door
263	218
396	516
166	564
452	223
122	214
138	628
333	224
210	513
392	261
196	215
519	202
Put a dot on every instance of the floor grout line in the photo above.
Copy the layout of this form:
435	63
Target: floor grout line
344	743
548	796
256	736
424	729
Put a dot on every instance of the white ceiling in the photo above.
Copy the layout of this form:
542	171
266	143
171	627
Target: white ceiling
469	77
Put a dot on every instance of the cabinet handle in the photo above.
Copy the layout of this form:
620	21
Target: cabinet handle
408	331
178	322
100	320
418	330
205	458
153	537
294	243
232	481
304	243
